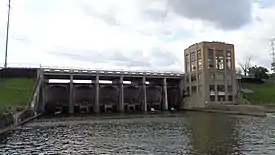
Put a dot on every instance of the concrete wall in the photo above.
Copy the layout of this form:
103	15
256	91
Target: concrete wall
57	95
84	94
154	95
173	97
239	109
132	94
25	115
108	95
8	121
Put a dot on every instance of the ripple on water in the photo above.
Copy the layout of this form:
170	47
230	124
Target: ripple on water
192	133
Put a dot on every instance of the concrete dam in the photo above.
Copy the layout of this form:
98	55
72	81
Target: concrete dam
99	91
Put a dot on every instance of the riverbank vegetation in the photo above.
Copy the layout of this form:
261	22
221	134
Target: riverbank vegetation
15	93
258	84
263	94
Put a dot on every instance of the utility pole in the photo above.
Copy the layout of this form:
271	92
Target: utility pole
272	48
7	36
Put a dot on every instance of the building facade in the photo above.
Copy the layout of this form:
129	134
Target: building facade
210	76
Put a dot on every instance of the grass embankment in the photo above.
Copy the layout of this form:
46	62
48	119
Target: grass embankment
263	94
15	93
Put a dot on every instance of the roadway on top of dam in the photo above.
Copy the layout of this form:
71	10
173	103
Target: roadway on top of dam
113	73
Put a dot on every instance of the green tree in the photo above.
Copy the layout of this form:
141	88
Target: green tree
258	72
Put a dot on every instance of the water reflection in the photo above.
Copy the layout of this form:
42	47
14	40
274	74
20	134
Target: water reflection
214	134
189	133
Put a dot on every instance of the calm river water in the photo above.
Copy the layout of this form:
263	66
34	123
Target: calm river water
187	133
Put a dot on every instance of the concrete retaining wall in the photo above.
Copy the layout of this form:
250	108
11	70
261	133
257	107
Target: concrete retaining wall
270	108
24	116
252	110
239	109
8	121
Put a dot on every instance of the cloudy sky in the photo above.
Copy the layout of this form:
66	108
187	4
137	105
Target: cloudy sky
132	34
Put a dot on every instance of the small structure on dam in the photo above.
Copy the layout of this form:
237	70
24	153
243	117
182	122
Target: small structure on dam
209	79
210	75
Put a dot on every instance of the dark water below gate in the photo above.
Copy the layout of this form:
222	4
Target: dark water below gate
188	133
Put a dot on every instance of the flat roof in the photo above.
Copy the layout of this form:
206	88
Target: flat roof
203	42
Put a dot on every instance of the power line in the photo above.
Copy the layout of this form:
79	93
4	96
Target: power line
7	36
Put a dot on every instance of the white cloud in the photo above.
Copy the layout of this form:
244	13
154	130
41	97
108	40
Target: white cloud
135	34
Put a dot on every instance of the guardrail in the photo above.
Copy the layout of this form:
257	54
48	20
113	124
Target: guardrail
98	70
106	71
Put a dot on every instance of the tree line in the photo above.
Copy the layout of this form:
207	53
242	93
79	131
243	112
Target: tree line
247	69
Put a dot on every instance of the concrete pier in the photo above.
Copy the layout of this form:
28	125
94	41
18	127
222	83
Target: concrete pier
180	102
121	95
144	94
43	100
96	104
165	96
71	100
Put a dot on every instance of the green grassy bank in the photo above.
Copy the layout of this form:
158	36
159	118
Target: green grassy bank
263	94
15	93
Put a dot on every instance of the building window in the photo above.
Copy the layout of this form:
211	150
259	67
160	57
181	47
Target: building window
187	58
193	62
212	98
230	98
210	55
229	88
199	60
228	60
228	64
199	76
193	56
193	66
221	89
193	78
194	89
221	64
221	97
187	67
228	54
219	59
188	90
212	89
